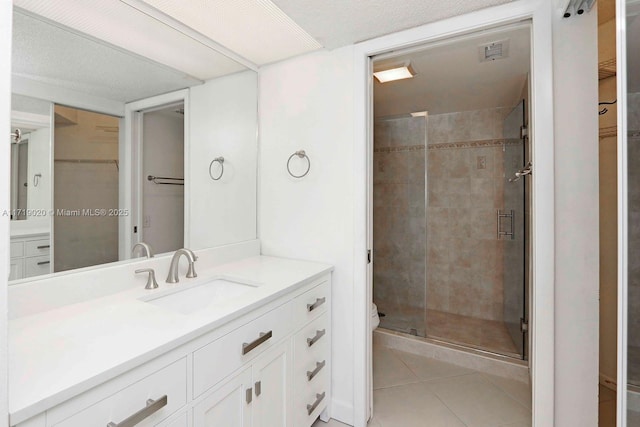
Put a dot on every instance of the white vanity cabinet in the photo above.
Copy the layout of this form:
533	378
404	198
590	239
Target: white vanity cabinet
268	368
256	396
30	256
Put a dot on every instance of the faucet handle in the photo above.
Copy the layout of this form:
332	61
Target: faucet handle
151	280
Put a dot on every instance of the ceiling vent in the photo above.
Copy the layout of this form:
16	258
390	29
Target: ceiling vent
494	50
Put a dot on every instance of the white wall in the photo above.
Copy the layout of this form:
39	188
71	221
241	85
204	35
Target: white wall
307	103
5	114
223	122
575	54
39	163
163	205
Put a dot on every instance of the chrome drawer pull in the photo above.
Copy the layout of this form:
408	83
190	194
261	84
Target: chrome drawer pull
264	336
319	397
248	395
319	366
44	262
258	386
319	334
152	407
318	303
43	247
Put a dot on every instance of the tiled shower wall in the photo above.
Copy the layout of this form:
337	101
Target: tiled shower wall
442	255
399	223
465	179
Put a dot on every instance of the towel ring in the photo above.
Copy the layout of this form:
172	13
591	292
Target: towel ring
217	160
302	155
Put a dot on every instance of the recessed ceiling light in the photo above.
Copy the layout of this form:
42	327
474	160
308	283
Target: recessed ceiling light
419	114
398	73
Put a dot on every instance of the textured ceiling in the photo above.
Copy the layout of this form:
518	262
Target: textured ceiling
124	26
254	29
336	23
451	78
49	54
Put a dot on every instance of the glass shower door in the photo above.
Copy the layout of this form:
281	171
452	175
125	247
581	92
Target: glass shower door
512	227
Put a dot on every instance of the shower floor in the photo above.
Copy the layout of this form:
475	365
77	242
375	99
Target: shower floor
488	335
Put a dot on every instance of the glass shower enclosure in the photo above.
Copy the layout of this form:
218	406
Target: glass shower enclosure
450	227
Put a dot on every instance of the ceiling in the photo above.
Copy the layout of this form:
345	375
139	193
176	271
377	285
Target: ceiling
450	77
336	23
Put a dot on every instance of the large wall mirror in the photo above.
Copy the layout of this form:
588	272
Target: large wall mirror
113	145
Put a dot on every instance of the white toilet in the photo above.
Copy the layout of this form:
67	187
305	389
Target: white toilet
375	320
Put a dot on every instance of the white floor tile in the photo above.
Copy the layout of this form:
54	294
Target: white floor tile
331	423
334	423
428	369
412	405
517	390
478	402
389	370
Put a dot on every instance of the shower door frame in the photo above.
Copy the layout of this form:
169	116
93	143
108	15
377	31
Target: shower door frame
542	336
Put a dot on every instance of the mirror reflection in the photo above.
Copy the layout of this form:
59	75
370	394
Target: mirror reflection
83	190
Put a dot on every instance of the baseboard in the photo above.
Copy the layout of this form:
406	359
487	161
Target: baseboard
608	382
342	411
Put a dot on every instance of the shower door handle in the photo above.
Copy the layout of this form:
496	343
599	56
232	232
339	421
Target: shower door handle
522	172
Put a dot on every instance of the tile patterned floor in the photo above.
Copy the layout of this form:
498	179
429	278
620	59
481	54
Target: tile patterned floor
411	390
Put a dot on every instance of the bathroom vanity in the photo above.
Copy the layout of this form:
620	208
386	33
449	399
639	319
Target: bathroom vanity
246	343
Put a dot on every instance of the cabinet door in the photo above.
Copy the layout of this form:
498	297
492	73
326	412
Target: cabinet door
228	406
17	269
272	388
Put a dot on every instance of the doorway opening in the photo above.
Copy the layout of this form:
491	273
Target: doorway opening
163	178
86	180
451	212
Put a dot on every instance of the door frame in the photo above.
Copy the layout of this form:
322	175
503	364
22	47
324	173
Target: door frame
132	180
542	318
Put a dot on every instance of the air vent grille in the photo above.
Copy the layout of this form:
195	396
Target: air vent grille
494	50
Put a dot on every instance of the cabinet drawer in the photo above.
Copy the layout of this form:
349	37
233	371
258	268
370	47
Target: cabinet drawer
308	404
220	358
16	249
311	363
312	303
37	247
170	381
36	266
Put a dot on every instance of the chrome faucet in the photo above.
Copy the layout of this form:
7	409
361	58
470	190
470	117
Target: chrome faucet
146	249
172	277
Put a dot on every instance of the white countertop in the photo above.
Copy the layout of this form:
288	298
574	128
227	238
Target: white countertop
58	354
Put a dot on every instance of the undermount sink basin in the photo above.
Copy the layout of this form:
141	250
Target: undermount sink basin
197	297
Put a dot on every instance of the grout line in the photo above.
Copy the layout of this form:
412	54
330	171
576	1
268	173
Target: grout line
488	378
450	410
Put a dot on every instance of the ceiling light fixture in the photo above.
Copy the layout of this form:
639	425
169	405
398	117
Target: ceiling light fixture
392	74
419	114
